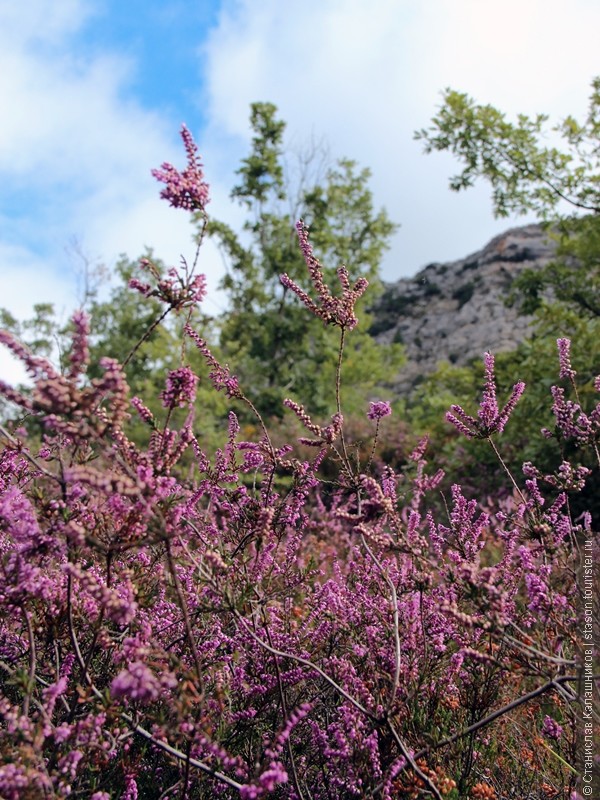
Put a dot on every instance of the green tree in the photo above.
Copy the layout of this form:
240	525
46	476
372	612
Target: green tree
559	184
272	344
124	328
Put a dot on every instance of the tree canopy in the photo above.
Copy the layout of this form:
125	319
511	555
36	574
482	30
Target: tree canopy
269	340
560	184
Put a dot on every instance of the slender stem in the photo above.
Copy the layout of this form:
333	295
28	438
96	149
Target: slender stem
506	469
412	760
396	624
24	452
529	649
374	447
146	336
186	617
498	713
338	396
179	755
306	662
32	663
285	712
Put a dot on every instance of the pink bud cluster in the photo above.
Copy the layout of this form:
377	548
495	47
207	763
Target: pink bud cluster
491	419
254	622
332	310
186	189
379	409
181	388
178	290
219	375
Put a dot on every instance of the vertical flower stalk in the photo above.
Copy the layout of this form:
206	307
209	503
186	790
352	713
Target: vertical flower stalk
332	310
186	189
491	420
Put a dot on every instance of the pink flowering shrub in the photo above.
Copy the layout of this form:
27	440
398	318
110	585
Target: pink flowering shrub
249	629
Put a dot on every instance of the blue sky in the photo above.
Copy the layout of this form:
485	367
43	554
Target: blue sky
163	40
92	94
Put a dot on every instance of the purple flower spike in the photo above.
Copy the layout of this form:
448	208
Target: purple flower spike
551	728
488	410
379	409
181	388
332	310
564	358
186	189
490	419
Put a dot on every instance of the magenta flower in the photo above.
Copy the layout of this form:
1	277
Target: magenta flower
80	353
178	289
332	310
379	409
551	728
186	189
564	358
219	374
490	419
139	683
181	388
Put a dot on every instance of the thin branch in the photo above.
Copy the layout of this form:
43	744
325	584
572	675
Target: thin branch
506	469
24	452
307	663
32	663
296	782
396	622
412	760
338	397
146	336
186	617
179	755
498	713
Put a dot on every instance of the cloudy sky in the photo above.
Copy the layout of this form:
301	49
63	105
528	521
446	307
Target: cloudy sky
92	94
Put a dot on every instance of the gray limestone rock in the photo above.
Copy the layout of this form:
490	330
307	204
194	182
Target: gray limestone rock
455	312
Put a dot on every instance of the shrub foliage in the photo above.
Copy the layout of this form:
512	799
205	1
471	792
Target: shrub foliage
177	623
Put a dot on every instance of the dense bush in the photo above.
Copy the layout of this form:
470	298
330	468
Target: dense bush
257	622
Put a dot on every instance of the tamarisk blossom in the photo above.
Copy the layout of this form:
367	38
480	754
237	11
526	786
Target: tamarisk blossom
332	310
180	389
491	420
325	435
379	409
551	728
177	291
571	420
219	374
564	358
80	352
187	189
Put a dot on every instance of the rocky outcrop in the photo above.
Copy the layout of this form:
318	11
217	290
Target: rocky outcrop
455	312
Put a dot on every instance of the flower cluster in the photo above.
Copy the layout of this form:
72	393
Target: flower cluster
332	310
564	358
255	622
181	388
491	419
186	189
178	290
219	375
379	409
551	728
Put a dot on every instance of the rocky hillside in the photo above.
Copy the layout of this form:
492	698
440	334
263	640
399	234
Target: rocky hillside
455	312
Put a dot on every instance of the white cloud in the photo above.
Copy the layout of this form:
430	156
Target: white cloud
69	134
76	154
76	146
366	75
